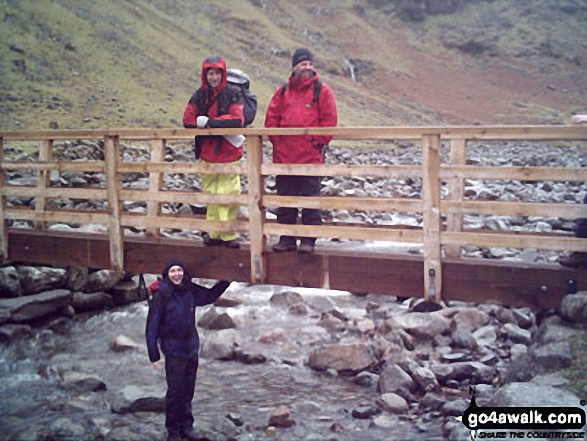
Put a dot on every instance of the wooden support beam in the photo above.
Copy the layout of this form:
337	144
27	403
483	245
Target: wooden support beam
256	209
115	232
469	280
431	217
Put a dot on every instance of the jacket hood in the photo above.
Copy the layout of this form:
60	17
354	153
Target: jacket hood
214	63
175	262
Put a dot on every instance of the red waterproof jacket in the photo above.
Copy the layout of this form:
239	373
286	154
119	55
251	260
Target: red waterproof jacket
223	106
296	108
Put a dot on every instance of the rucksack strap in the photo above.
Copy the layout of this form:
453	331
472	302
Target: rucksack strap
317	90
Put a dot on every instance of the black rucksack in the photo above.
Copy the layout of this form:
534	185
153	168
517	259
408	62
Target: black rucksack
317	89
242	80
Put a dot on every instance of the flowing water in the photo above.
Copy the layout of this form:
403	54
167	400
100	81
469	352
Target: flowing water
33	401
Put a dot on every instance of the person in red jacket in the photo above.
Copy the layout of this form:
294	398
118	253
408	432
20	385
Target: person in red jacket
217	105
304	101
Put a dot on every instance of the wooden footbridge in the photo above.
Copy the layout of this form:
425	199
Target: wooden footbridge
439	273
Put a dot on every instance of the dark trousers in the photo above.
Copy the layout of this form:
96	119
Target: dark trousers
181	384
298	186
582	224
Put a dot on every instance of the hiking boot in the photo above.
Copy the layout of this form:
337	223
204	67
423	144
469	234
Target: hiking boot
574	260
192	434
211	242
285	244
231	244
306	246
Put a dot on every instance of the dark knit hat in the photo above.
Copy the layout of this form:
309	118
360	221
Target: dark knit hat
301	54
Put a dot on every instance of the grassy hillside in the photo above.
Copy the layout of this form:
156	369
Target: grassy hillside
76	64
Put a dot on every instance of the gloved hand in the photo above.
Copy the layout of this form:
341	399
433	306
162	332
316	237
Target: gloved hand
202	121
154	286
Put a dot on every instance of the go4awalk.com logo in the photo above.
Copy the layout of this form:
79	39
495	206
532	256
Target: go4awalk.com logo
523	422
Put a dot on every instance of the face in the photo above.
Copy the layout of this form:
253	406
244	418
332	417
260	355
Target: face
305	69
175	274
214	77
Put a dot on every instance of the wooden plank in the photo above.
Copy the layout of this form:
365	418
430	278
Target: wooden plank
155	184
345	232
55	192
469	280
377	171
64	216
182	222
345	203
522	241
514	173
568	211
431	218
181	167
503	132
508	283
186	197
454	220
86	166
3	220
112	158
256	186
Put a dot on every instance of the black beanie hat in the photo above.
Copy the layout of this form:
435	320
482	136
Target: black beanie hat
301	54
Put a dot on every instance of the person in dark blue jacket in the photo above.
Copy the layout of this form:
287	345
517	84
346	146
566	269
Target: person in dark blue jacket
171	322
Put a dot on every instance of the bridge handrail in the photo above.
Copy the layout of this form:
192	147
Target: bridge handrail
432	235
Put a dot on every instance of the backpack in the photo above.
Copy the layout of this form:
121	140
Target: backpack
242	80
317	89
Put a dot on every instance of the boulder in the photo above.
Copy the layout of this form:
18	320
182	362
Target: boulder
75	278
574	307
393	403
485	336
9	282
125	292
420	324
34	280
31	307
80	382
133	399
83	302
393	379
470	319
531	394
344	358
426	379
286	298
122	343
517	334
281	417
212	319
103	280
551	356
221	345
11	332
473	371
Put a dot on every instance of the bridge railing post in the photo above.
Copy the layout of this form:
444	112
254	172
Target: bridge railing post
431	217
3	224
44	181
155	183
115	231
454	221
256	209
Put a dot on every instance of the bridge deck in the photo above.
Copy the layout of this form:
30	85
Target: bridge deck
471	280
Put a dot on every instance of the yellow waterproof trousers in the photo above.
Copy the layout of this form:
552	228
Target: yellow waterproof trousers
221	184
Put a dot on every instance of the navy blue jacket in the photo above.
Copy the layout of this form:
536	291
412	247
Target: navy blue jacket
171	319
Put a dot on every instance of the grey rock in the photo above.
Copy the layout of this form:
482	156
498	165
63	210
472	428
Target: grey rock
365	412
365	379
80	382
455	408
473	371
463	338
124	292
103	280
393	379
133	399
286	298
393	403
31	307
84	302
552	356
574	307
212	319
470	319
485	336
432	401
11	332
425	378
34	280
530	394
551	331
9	282
281	417
75	278
517	334
344	358
421	325
122	343
221	345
